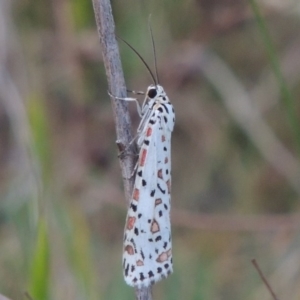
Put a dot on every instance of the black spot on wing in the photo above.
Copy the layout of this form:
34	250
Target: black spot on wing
133	243
165	106
126	270
150	273
159	187
158	238
134	207
142	277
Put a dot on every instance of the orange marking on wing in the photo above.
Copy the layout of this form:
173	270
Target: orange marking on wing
149	131
164	256
169	186
155	227
136	194
159	174
163	138
129	249
130	222
143	157
158	201
139	263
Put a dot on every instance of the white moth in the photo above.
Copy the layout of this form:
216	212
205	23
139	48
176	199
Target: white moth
147	253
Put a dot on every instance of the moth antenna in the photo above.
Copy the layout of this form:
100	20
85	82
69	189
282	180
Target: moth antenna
141	58
153	48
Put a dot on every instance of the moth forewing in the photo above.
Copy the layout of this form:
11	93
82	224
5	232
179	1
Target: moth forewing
147	254
147	251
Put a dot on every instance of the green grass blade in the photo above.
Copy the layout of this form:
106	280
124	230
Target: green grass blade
38	286
39	126
288	100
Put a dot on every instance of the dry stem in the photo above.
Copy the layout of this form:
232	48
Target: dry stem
116	83
264	279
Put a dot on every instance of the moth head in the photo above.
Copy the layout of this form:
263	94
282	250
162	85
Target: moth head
155	91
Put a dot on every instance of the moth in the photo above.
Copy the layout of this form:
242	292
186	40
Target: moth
147	250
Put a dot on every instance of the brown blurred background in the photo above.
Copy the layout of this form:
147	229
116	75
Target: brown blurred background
235	147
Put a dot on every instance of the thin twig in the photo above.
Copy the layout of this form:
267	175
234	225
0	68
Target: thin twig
116	83
263	278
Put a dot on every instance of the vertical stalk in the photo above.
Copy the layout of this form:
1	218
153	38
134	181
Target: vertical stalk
116	83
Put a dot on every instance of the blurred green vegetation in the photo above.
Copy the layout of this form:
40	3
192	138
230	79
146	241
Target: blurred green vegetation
231	69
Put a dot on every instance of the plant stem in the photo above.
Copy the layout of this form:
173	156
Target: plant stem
116	83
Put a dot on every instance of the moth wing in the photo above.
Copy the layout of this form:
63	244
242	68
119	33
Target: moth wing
147	246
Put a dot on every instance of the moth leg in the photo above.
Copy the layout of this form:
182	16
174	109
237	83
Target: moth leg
135	166
128	99
124	149
133	171
136	92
